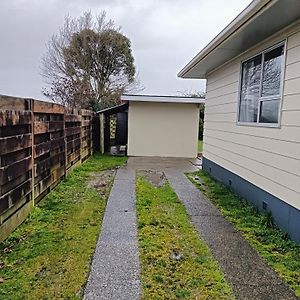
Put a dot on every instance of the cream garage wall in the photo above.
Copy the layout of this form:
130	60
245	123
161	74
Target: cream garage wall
163	129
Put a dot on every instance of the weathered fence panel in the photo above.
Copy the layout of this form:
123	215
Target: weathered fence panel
15	162
40	143
49	146
73	138
86	134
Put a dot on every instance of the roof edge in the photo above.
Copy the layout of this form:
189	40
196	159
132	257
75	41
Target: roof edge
247	14
161	96
165	99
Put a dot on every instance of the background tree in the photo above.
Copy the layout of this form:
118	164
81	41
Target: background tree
88	64
198	94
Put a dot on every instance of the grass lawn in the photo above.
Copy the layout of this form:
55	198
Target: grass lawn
200	146
273	245
49	255
175	263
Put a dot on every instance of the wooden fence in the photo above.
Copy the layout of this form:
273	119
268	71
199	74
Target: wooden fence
40	143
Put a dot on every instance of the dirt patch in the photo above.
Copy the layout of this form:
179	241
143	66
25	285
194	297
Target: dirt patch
199	182
196	178
102	181
156	178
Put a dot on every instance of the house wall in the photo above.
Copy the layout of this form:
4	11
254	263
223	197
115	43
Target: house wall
163	129
266	158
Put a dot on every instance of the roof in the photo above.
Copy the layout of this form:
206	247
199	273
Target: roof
260	20
114	109
163	99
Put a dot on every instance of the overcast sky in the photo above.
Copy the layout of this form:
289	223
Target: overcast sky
165	35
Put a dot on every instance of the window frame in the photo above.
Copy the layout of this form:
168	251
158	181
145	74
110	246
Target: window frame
265	98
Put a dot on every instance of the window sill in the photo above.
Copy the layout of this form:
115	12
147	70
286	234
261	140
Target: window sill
264	125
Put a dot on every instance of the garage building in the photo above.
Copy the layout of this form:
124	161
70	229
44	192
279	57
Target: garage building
164	126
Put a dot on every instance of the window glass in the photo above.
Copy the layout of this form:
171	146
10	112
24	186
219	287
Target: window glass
269	110
272	72
261	87
251	73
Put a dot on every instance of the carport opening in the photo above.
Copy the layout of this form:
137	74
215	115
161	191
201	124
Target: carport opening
114	129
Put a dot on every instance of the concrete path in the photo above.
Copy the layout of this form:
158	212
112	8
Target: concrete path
115	267
250	277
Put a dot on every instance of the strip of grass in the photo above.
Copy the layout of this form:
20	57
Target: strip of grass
273	245
175	263
48	256
200	146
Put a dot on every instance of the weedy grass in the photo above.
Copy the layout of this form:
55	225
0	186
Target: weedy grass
49	255
275	247
175	263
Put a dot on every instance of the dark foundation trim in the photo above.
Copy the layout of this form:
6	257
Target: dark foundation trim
285	216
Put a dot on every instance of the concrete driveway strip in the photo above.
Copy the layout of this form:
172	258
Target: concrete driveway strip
250	276
115	266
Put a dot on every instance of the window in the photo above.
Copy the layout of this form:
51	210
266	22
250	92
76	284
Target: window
261	87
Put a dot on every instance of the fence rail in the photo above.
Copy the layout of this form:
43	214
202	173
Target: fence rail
40	143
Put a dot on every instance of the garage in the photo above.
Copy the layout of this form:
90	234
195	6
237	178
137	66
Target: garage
165	126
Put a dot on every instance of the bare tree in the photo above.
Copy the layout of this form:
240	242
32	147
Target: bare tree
88	63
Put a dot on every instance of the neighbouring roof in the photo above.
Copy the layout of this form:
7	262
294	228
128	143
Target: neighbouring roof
163	99
113	110
261	19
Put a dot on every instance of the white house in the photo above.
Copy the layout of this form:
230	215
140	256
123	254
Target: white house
252	110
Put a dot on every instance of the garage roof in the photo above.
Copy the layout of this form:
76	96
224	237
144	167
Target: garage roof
260	20
114	109
163	99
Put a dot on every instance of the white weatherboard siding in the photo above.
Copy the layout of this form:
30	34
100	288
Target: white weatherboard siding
267	157
163	129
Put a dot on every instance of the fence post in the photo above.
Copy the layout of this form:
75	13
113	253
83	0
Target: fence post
101	133
32	152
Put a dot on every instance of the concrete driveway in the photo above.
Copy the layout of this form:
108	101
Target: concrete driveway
184	165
